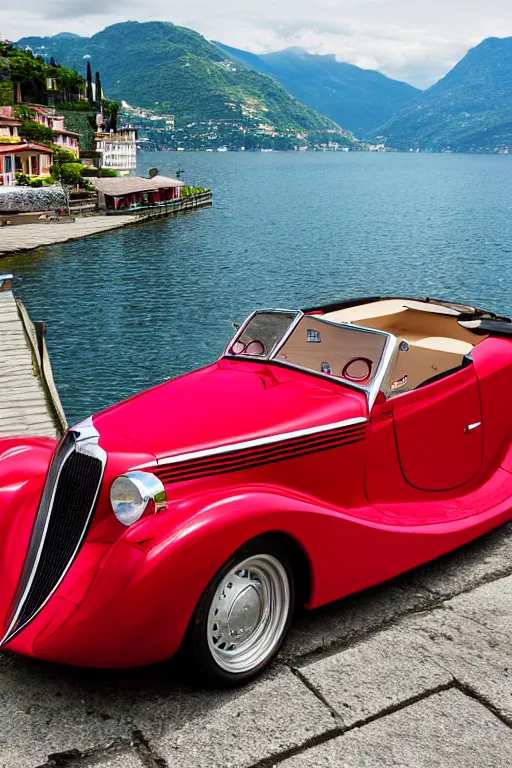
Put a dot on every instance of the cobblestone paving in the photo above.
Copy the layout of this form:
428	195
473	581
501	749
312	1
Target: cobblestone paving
412	674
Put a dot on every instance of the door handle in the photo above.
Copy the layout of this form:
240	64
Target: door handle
471	427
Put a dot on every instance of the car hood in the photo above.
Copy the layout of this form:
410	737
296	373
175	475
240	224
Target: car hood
229	401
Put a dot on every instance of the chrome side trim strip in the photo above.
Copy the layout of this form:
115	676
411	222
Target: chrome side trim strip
86	441
271	439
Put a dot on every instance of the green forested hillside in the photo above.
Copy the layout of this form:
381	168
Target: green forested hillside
157	64
30	74
469	110
359	99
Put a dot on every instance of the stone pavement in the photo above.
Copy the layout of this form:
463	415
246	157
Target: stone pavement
27	236
415	673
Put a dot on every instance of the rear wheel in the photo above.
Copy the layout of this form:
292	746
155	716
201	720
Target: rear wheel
244	614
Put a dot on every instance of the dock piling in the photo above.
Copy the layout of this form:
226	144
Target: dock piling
29	403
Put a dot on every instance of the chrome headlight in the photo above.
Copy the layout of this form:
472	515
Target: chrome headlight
130	495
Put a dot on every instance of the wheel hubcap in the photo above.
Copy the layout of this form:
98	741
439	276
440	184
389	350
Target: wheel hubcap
248	614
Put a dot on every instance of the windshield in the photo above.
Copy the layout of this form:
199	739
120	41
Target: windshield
349	353
352	354
260	334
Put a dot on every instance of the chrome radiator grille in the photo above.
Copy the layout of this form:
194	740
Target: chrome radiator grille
65	512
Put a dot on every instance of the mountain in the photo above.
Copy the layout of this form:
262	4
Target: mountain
160	65
64	35
469	110
359	99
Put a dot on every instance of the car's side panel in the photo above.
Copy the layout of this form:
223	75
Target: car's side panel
439	433
135	605
385	482
493	365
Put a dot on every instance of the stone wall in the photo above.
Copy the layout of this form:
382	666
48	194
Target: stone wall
31	199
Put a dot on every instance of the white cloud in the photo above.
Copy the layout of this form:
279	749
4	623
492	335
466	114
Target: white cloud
415	40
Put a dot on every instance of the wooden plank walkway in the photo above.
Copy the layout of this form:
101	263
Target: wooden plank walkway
24	409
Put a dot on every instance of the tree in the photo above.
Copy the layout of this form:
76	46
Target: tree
90	96
61	156
98	91
65	166
37	132
70	83
70	173
110	111
31	75
52	62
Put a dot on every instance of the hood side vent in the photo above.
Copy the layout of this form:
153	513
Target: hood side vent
248	458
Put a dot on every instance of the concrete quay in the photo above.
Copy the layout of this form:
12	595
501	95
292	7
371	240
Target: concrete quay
25	237
411	674
28	236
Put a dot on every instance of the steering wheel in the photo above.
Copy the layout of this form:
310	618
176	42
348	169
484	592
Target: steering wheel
358	370
253	348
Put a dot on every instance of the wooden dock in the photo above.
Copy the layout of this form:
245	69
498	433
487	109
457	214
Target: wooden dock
29	403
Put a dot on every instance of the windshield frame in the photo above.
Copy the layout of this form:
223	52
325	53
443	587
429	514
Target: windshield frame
371	391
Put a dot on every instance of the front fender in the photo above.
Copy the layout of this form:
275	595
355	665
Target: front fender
130	603
24	463
22	458
134	600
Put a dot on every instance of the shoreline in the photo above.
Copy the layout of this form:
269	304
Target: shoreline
27	237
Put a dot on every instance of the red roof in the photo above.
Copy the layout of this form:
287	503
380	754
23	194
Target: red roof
65	132
9	121
6	149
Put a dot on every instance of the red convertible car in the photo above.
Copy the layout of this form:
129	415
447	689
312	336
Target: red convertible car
328	449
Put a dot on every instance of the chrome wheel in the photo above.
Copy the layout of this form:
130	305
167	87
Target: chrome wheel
248	614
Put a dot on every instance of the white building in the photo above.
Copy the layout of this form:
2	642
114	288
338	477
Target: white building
118	150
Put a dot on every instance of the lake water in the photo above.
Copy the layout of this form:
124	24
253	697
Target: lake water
128	309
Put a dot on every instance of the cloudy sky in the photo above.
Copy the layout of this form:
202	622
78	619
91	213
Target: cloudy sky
414	40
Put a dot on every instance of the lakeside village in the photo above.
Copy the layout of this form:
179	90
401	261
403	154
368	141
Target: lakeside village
64	152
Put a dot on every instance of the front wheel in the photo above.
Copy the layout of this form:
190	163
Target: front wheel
244	614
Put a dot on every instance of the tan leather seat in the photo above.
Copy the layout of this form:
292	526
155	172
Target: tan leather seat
426	357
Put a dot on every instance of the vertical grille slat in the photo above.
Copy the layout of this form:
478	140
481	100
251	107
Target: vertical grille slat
74	497
62	521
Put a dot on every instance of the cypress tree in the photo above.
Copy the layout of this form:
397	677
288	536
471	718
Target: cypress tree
90	97
98	91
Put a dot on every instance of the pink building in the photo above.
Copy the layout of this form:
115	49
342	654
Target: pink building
25	157
16	154
63	138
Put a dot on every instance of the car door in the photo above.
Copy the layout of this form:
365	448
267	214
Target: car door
438	430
